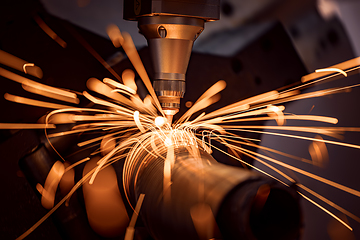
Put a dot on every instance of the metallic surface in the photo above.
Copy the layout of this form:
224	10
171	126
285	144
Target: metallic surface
170	41
208	10
202	180
171	27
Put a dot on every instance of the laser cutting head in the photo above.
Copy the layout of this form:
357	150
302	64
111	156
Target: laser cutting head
171	27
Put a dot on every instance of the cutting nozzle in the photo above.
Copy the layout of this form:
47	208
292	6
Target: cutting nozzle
170	40
171	27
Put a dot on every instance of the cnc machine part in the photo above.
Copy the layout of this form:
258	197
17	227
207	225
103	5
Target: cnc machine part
171	27
170	42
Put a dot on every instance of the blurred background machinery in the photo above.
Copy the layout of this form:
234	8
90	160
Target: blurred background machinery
257	46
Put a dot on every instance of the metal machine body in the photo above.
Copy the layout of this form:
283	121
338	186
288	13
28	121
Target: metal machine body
171	27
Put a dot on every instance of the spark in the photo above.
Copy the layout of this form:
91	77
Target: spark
305	173
20	64
303	138
206	99
51	184
290	117
318	152
33	102
332	70
299	185
168	165
160	121
327	211
277	114
27	65
129	235
120	86
115	36
25	126
49	31
329	202
39	88
128	77
346	66
137	121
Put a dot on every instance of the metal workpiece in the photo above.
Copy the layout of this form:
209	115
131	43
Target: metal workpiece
242	204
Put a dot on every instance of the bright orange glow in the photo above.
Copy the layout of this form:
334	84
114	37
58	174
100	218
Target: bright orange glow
104	206
160	121
46	93
43	87
100	87
25	126
277	114
67	181
119	86
62	118
33	102
167	182
107	145
168	166
137	121
128	77
51	184
115	35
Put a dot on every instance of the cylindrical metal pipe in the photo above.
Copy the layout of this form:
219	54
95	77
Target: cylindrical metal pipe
245	204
